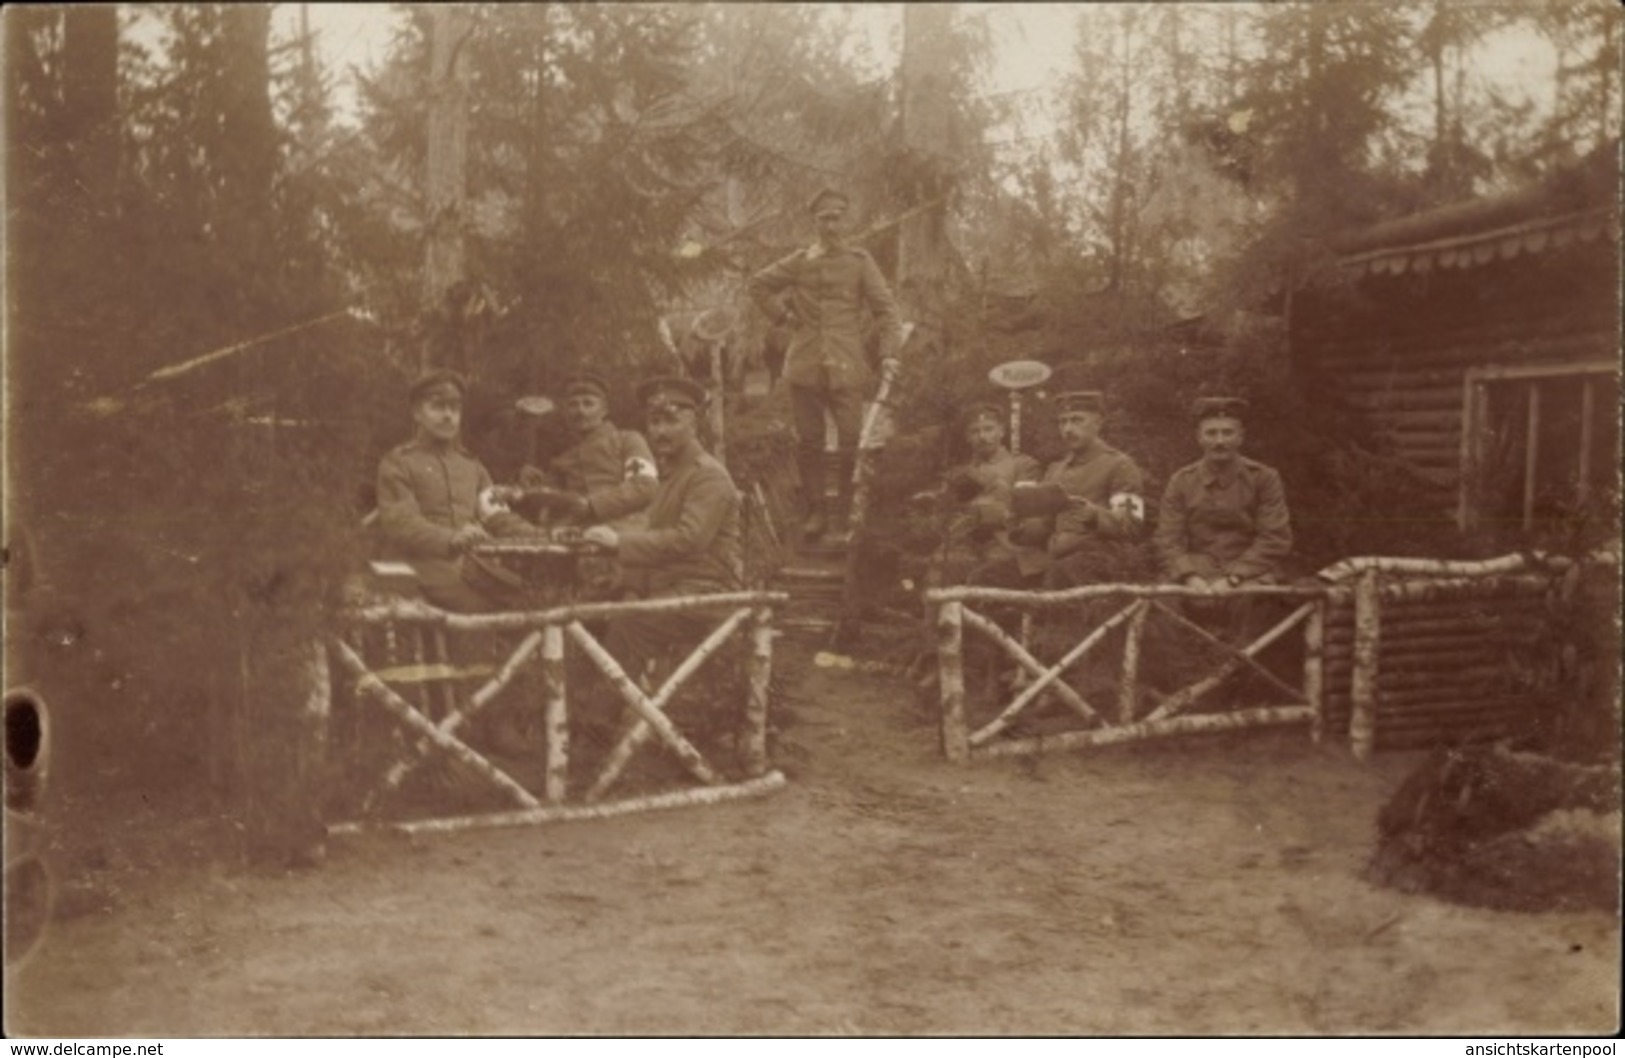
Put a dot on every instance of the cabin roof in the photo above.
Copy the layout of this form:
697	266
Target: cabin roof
1575	204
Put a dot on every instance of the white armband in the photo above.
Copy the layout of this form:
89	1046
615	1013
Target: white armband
1127	504
638	467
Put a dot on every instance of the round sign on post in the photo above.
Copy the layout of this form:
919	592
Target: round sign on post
1020	374
1015	376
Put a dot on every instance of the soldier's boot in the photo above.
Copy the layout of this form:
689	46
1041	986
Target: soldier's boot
810	463
841	524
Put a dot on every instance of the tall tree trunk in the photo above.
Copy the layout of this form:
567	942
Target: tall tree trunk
1441	128
90	100
248	160
922	258
538	159
445	265
1607	106
1121	184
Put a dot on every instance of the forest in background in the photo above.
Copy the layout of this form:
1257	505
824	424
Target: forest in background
217	288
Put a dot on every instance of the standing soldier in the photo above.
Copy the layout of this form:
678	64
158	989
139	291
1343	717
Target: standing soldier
433	503
822	292
607	475
1224	520
978	532
1088	505
691	544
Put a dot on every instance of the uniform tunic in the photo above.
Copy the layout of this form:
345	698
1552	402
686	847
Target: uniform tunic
425	494
597	467
828	290
1098	475
979	533
692	545
692	542
1220	522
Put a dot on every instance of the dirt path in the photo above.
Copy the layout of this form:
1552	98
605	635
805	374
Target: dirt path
1206	887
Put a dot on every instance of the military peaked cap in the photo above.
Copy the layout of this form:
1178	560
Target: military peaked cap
1082	400
828	199
586	382
669	392
984	410
1219	408
432	381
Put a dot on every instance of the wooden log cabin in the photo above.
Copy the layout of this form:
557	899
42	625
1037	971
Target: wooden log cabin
1482	339
1482	342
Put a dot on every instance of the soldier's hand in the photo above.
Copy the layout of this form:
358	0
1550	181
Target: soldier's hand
1198	582
602	535
560	501
491	502
467	536
890	366
569	504
989	513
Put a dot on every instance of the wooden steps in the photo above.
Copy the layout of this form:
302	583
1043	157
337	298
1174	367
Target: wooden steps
815	579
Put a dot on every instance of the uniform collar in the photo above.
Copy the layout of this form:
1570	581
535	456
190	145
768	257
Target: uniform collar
1096	448
602	428
437	449
818	249
1002	452
689	455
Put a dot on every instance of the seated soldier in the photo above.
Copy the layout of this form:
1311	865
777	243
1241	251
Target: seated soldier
607	475
1224	520
1072	525
691	544
978	530
434	504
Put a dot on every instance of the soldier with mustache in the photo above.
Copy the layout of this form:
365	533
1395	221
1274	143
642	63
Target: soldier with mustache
1224	519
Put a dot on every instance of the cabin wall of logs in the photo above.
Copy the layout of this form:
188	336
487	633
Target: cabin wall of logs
1399	348
1421	653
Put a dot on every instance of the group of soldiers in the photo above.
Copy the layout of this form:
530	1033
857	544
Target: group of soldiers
662	510
666	514
1223	521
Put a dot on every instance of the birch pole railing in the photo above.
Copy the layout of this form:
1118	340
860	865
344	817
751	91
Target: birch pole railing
1125	718
1397	652
546	635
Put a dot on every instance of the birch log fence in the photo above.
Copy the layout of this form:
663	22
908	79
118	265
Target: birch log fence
420	696
1137	709
1396	652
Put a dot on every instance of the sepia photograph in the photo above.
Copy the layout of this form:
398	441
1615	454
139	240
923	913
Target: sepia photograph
812	520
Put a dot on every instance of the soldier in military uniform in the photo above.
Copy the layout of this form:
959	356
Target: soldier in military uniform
607	475
978	529
691	544
1087	507
434	504
823	292
1224	521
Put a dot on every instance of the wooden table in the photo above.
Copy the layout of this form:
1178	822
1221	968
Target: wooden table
550	569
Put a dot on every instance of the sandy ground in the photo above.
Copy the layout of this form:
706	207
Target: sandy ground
1207	886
